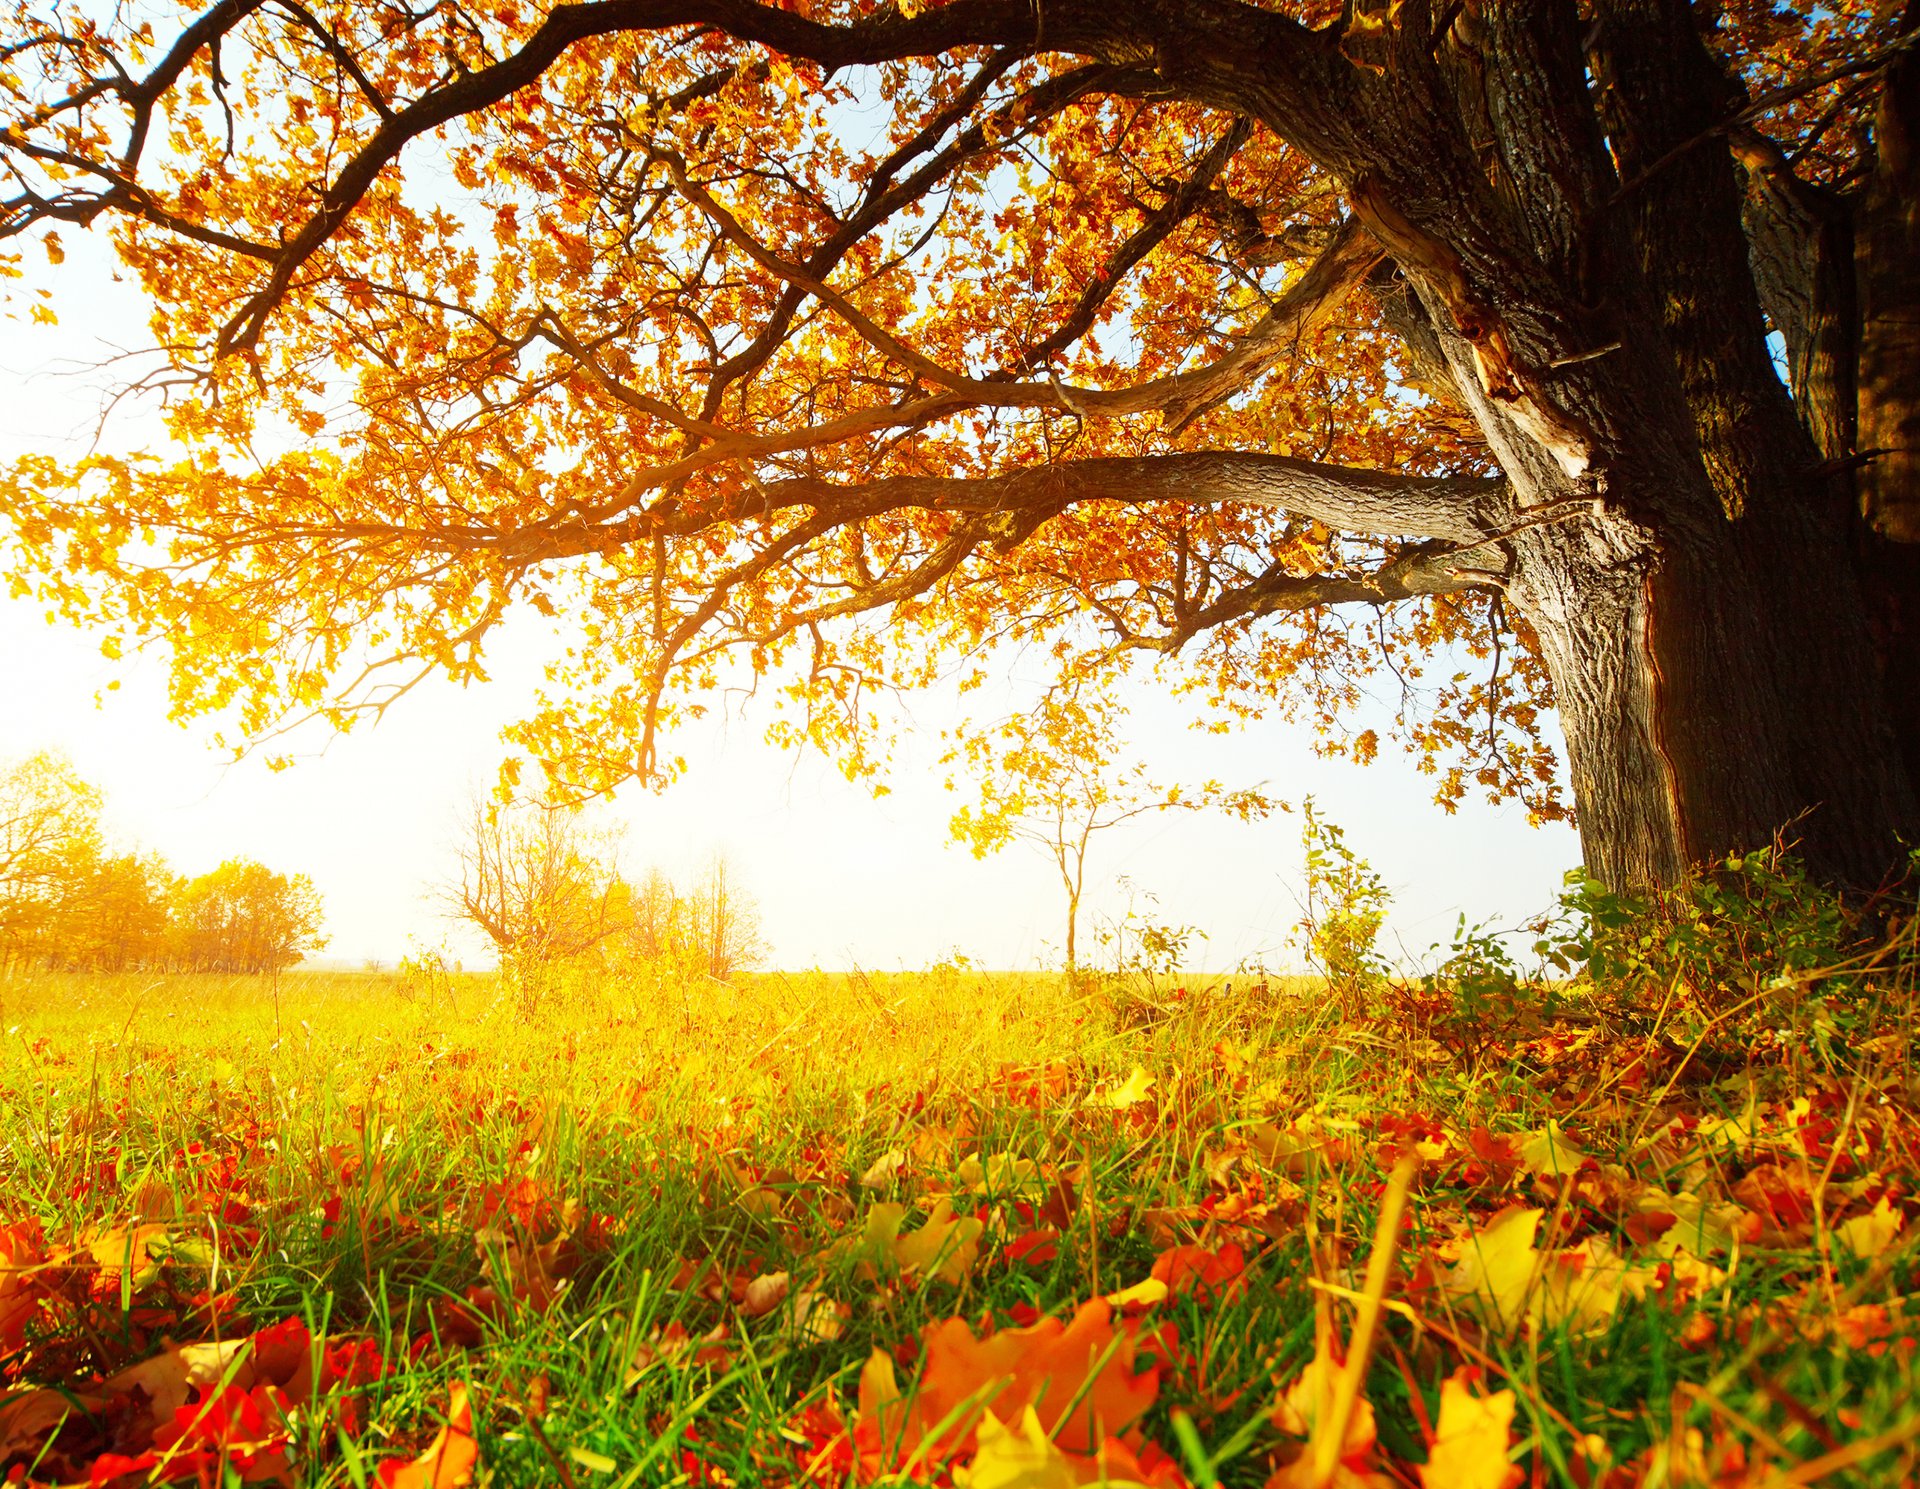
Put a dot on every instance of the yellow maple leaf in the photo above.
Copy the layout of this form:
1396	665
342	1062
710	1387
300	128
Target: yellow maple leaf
1471	1439
1020	1457
1870	1234
1499	1266
1131	1092
1299	1411
945	1247
1548	1154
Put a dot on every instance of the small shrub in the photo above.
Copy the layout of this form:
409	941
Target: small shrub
1346	905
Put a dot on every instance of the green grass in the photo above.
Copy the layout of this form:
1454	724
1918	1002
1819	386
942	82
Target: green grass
379	1160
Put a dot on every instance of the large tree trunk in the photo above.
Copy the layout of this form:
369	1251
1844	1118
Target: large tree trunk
1699	607
1714	696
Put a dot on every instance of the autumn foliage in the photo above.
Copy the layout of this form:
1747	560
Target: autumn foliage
923	1238
66	902
1294	348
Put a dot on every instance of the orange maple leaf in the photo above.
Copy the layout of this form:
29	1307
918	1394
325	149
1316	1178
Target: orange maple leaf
1076	1377
450	1459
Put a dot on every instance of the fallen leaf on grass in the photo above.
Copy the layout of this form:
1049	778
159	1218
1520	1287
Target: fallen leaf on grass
1213	1276
882	1170
1498	1265
1078	1378
1501	1276
449	1460
1548	1154
764	1294
1024	1457
22	1255
28	1418
945	1247
1298	1412
1001	1174
673	1345
1472	1438
1136	1088
1867	1236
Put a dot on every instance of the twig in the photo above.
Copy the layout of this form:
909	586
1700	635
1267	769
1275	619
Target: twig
1330	1433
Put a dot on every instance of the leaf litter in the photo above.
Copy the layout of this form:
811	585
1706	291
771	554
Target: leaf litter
1159	1265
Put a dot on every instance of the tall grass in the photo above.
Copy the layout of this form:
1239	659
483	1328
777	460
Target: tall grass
383	1158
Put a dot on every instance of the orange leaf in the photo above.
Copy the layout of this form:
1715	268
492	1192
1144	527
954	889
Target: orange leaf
1077	1377
450	1458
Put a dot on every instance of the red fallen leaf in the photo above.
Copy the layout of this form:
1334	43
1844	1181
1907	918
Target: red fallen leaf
1035	1248
1778	1194
449	1460
246	1431
22	1254
1212	1276
822	1446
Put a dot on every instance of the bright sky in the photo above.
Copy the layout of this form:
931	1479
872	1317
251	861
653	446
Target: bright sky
842	879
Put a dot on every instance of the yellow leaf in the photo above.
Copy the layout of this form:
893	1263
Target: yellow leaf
1130	1092
1471	1439
1549	1155
450	1458
1018	1457
945	1247
1001	1173
880	1172
1870	1234
1140	1295
1499	1264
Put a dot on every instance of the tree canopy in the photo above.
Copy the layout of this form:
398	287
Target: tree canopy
1292	345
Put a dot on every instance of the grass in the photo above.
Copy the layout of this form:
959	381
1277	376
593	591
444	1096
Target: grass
647	1232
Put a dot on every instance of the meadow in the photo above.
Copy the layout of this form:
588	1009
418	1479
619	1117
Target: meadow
1646	1223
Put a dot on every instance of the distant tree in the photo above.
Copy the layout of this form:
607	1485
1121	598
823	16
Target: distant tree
244	917
1050	779
655	929
713	930
49	846
542	885
725	930
116	919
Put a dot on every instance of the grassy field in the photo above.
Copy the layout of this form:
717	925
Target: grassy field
955	1228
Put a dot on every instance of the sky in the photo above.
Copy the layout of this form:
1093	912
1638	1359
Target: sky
842	878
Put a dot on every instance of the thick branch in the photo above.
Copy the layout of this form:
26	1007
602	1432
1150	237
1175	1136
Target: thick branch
1430	569
1455	509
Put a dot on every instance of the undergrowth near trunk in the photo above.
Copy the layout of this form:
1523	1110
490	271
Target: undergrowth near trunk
1658	1204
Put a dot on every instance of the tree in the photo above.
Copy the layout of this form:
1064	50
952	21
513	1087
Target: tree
116	918
1049	779
1288	343
244	917
49	848
542	885
714	931
723	923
